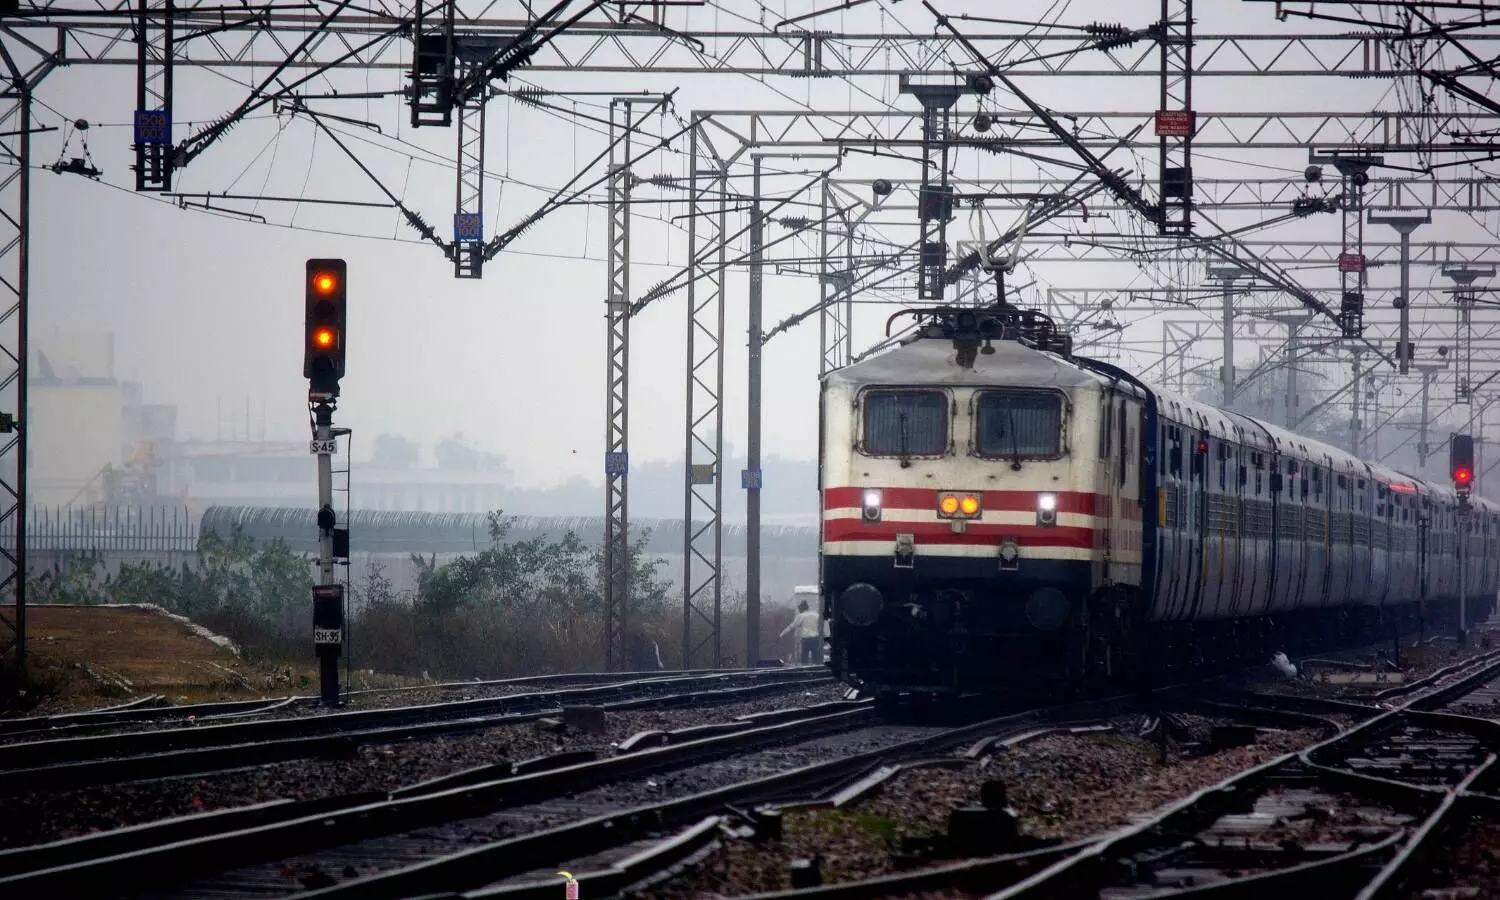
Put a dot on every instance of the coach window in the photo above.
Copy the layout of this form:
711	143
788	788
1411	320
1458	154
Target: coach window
1017	425
905	423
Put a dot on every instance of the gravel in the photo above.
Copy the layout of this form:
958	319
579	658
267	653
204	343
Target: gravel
421	845
1470	870
1418	659
749	766
1062	787
42	817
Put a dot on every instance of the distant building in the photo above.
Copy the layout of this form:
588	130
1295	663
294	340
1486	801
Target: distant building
92	437
272	473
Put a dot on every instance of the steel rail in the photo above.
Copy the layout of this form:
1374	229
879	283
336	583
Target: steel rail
31	753
155	706
337	745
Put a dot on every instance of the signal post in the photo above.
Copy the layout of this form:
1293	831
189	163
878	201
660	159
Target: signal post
1461	465
323	366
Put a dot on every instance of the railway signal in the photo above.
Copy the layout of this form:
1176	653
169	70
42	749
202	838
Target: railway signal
1461	464
325	342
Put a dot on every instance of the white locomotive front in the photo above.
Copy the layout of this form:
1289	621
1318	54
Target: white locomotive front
967	518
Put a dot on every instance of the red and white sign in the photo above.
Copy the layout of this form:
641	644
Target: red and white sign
1351	262
1175	122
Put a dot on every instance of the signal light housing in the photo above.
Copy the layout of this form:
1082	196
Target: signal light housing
960	505
325	341
1461	463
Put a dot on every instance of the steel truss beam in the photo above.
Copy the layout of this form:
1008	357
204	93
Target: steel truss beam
617	392
1305	254
468	217
155	43
1175	172
20	73
703	484
249	38
1380	131
836	282
1460	194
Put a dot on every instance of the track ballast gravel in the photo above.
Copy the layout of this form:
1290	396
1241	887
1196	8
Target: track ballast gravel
1064	787
383	854
43	817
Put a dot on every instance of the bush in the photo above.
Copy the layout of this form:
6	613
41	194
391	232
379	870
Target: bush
523	607
515	608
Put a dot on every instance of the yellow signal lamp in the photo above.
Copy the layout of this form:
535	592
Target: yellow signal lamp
325	283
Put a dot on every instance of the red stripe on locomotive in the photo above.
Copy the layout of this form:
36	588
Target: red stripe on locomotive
975	534
1077	502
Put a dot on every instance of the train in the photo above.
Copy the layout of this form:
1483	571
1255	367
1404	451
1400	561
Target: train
1001	515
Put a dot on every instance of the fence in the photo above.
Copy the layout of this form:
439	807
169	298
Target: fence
58	537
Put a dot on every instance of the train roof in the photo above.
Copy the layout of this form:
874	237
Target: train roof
925	361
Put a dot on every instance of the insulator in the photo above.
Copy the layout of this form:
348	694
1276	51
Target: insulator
662	179
656	291
529	95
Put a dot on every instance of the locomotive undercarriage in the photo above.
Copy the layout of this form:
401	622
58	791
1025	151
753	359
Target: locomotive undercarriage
957	630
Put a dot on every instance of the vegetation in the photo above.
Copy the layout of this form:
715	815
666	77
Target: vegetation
517	607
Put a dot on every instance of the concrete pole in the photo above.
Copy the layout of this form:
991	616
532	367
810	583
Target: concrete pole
1405	224
1354	441
1226	276
1429	371
753	477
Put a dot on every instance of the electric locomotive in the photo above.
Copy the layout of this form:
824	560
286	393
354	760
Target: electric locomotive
1001	515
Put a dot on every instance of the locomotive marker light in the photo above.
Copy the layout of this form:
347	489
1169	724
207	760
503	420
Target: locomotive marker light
1046	510
871	510
959	505
326	288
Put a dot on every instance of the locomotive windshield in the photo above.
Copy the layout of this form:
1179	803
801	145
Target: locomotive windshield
1016	425
906	423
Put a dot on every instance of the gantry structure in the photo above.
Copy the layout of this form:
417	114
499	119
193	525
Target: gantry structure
968	87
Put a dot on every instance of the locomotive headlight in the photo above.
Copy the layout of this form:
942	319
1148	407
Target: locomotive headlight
871	509
1046	510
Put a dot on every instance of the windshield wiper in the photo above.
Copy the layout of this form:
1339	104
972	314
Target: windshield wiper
904	451
1015	440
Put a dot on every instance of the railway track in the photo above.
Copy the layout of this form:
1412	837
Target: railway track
238	847
1364	814
81	762
156	708
598	827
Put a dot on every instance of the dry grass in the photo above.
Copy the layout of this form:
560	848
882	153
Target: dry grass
88	656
